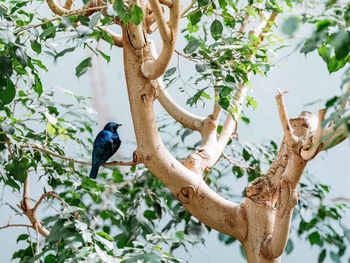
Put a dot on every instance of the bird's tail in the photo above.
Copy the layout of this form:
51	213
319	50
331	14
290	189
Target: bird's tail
94	171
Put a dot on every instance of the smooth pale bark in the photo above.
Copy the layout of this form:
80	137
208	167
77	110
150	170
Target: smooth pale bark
187	186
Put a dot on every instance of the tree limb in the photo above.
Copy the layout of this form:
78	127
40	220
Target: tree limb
153	69
274	245
117	39
186	118
291	139
29	212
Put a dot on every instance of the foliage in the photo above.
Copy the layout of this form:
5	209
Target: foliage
129	215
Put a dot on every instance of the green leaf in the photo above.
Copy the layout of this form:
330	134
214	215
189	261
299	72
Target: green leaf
322	256
341	43
36	46
105	235
192	45
325	53
122	11
216	29
169	72
202	2
291	25
83	67
63	52
22	237
195	17
335	257
49	32
7	91
289	247
105	56
246	154
315	238
136	14
334	64
149	214
237	171
38	87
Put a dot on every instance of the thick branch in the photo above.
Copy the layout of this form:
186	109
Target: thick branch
291	139
153	69
187	186
274	245
117	39
186	118
308	152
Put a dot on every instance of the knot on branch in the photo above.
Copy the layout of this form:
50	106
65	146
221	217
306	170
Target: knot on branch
305	121
287	198
186	194
260	191
197	161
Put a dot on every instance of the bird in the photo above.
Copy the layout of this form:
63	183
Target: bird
106	143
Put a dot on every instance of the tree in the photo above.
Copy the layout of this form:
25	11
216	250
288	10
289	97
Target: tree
227	45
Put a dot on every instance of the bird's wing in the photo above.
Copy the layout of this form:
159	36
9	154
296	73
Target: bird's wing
103	147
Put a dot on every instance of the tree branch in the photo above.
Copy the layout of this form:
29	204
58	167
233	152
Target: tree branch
291	139
274	245
39	148
15	225
117	39
91	7
308	152
186	118
155	67
29	212
51	194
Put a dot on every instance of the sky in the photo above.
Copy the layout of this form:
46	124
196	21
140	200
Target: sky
304	77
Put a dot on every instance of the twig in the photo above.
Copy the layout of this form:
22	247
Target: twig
21	30
109	164
15	225
51	194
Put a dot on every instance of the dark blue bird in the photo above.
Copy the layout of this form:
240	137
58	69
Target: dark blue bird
106	144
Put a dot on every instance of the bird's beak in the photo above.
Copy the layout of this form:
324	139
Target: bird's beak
120	125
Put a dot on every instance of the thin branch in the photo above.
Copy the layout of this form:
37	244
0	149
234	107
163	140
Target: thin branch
51	194
186	118
154	68
117	39
184	11
59	10
15	225
109	164
29	212
310	152
164	29
291	139
71	13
